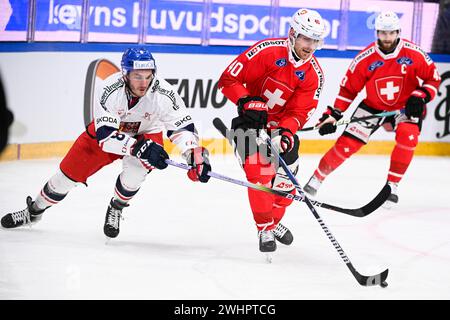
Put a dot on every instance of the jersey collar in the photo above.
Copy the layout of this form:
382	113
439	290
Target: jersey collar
296	63
391	55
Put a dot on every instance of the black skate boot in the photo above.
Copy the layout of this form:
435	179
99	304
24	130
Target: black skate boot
267	241
392	200
283	235
112	219
312	186
26	216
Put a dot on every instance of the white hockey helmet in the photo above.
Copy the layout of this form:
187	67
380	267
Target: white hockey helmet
308	23
387	21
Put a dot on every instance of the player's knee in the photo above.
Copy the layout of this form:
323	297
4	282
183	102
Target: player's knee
346	146
407	134
282	201
60	184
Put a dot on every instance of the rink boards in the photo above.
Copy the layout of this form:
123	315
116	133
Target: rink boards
45	91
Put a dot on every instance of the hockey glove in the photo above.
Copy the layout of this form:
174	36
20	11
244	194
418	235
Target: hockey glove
283	140
253	111
416	103
198	159
146	149
328	120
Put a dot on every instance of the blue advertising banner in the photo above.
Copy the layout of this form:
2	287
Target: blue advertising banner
169	20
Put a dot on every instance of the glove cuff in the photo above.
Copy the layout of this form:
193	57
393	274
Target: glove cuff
423	93
335	113
243	101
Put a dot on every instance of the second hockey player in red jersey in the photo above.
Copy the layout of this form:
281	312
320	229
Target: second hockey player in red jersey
389	70
276	85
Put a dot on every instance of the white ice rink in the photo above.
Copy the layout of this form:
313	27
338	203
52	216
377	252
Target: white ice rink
181	240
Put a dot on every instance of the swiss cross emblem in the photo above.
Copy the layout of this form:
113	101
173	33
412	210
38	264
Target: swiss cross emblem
276	94
389	89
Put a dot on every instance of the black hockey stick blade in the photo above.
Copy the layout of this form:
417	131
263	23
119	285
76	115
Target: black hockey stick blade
373	205
220	126
368	281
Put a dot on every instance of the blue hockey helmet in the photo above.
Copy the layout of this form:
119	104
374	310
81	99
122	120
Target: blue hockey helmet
137	59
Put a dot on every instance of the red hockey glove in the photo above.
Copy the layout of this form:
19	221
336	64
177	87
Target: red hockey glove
415	105
253	111
328	120
150	151
283	140
198	159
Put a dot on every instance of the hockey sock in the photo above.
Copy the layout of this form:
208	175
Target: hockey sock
260	171
279	207
122	193
407	137
344	147
53	192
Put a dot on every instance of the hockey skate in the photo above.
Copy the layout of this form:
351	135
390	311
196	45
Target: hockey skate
312	186
267	244
27	216
267	241
392	200
283	235
112	219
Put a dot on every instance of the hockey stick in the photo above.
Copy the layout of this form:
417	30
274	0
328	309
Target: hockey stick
347	121
360	212
378	279
370	207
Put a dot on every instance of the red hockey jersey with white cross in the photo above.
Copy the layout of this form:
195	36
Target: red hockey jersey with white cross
389	78
290	88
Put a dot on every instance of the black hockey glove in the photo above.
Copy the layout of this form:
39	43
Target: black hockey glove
416	103
150	151
332	115
253	111
283	140
198	159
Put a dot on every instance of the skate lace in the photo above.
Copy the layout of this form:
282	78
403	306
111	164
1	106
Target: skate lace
114	217
280	231
22	215
266	236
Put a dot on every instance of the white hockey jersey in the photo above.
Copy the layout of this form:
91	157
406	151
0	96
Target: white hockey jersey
117	125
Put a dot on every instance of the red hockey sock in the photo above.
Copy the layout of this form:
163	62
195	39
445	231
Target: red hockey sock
344	147
279	207
407	137
259	171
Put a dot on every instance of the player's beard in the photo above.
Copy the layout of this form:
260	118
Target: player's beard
387	46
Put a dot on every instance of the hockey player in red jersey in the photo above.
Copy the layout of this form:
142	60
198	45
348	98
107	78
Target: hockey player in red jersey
131	110
389	68
276	85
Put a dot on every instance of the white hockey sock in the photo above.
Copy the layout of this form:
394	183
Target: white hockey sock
54	191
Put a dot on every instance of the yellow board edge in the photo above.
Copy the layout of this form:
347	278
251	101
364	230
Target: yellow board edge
220	146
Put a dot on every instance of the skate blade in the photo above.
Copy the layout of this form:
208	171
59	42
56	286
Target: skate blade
268	257
107	240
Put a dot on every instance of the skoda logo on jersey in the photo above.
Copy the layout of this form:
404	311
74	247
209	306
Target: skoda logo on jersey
404	60
375	65
281	62
300	75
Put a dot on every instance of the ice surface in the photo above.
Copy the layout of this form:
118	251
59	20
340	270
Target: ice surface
185	240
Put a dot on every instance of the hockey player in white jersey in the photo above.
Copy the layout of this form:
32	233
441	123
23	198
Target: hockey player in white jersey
131	110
